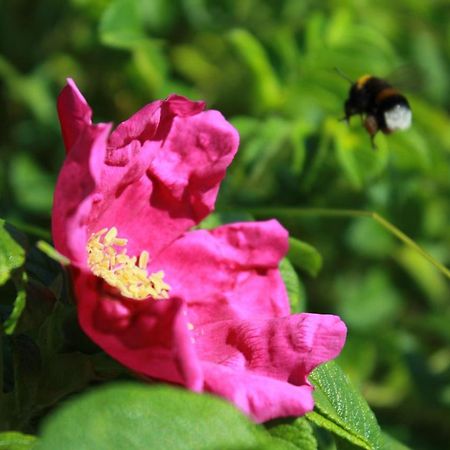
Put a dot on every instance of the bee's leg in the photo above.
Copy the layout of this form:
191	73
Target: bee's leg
372	141
371	125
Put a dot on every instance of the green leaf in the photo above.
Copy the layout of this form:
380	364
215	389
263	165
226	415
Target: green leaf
7	403
13	440
19	304
355	154
297	136
32	186
150	64
293	286
341	409
263	151
27	365
359	297
246	125
159	15
31	90
327	424
266	88
298	434
390	443
195	65
52	332
121	24
61	375
369	239
433	284
105	367
12	258
12	254
432	63
135	416
43	267
304	256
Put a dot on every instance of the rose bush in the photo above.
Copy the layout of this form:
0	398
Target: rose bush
203	309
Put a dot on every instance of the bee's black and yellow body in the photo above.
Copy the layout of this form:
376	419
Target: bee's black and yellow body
380	105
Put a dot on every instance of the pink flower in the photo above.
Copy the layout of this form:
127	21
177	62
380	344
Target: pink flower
204	309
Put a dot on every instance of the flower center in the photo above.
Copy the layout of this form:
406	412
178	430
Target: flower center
108	259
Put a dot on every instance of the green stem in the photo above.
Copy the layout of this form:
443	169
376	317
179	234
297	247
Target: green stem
52	253
30	229
324	212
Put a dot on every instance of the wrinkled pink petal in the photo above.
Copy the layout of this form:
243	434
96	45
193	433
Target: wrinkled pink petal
143	125
170	185
268	359
163	166
260	397
228	273
151	338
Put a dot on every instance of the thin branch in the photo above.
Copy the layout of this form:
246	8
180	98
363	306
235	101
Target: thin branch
324	212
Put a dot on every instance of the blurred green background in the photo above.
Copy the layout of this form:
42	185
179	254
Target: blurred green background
268	66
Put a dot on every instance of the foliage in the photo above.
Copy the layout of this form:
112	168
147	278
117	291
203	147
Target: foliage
268	65
113	417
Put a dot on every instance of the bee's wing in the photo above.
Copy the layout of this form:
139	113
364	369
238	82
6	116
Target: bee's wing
407	78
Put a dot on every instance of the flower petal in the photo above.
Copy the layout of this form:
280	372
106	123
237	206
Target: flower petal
151	338
169	181
74	113
75	192
163	165
228	273
281	351
143	125
260	397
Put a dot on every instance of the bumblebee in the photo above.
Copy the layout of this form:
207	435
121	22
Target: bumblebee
380	105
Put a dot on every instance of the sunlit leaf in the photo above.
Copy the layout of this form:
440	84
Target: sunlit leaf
121	24
150	64
293	287
304	256
13	440
19	304
390	443
135	416
12	254
433	283
341	409
267	90
297	433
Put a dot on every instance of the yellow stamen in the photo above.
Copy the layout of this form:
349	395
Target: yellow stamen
120	270
101	232
143	259
110	236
